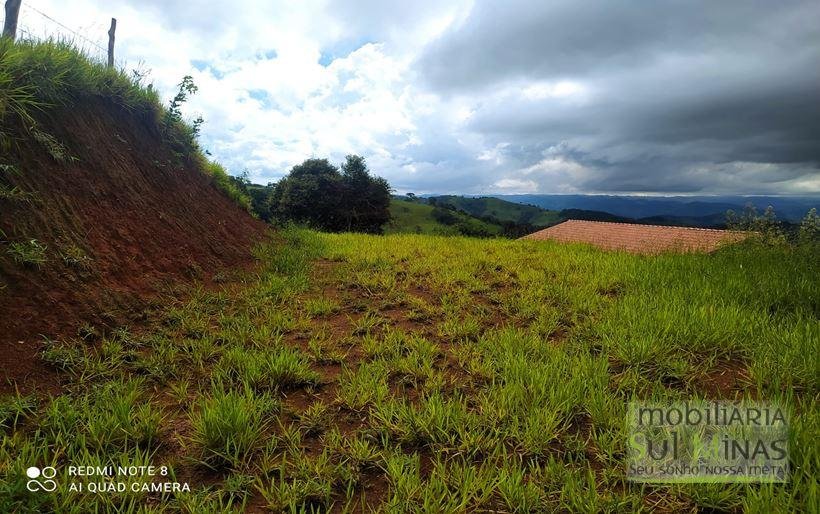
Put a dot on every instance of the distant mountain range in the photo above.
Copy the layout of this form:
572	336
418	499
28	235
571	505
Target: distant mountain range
517	215
717	220
692	210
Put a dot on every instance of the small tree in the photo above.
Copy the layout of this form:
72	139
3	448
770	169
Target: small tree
318	194
766	225
444	216
184	89
310	194
809	228
175	130
367	198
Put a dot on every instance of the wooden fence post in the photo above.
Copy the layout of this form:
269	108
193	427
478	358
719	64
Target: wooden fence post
111	42
12	13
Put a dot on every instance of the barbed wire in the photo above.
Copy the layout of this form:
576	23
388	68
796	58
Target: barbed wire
26	30
79	35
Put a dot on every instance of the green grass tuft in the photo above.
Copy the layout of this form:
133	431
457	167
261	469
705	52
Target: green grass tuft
269	369
228	426
30	253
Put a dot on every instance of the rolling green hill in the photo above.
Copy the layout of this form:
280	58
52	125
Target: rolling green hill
420	218
501	210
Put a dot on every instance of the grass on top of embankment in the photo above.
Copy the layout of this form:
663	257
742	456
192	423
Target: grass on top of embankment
39	76
431	374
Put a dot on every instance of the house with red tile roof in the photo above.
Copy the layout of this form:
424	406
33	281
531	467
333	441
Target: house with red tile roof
646	239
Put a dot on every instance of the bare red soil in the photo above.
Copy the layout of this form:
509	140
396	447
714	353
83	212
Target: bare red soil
145	218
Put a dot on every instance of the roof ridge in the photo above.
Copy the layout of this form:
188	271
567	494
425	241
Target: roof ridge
647	225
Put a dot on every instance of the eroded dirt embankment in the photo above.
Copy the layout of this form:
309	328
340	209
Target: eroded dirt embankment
121	218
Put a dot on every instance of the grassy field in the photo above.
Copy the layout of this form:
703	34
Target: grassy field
413	373
417	218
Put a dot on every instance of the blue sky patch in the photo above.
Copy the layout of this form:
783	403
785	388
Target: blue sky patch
202	65
262	97
267	55
341	50
325	59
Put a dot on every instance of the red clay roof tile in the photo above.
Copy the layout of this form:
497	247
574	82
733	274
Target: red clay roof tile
647	239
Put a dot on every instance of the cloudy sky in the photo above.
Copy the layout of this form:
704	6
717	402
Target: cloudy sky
507	96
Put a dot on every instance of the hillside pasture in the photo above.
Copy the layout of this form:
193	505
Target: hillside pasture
501	210
412	373
409	217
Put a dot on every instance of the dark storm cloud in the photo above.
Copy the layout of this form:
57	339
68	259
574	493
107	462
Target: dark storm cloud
676	91
503	40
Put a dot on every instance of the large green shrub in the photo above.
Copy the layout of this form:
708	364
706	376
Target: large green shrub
318	194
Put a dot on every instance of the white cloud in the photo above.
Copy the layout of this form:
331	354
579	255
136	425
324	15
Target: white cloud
281	81
555	173
267	101
495	154
516	186
562	89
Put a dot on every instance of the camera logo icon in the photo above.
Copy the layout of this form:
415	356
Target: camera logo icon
41	479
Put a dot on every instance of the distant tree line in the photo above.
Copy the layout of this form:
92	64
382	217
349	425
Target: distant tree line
447	216
318	194
774	231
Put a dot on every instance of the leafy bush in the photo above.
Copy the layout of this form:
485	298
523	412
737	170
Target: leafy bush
768	230
473	229
463	222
